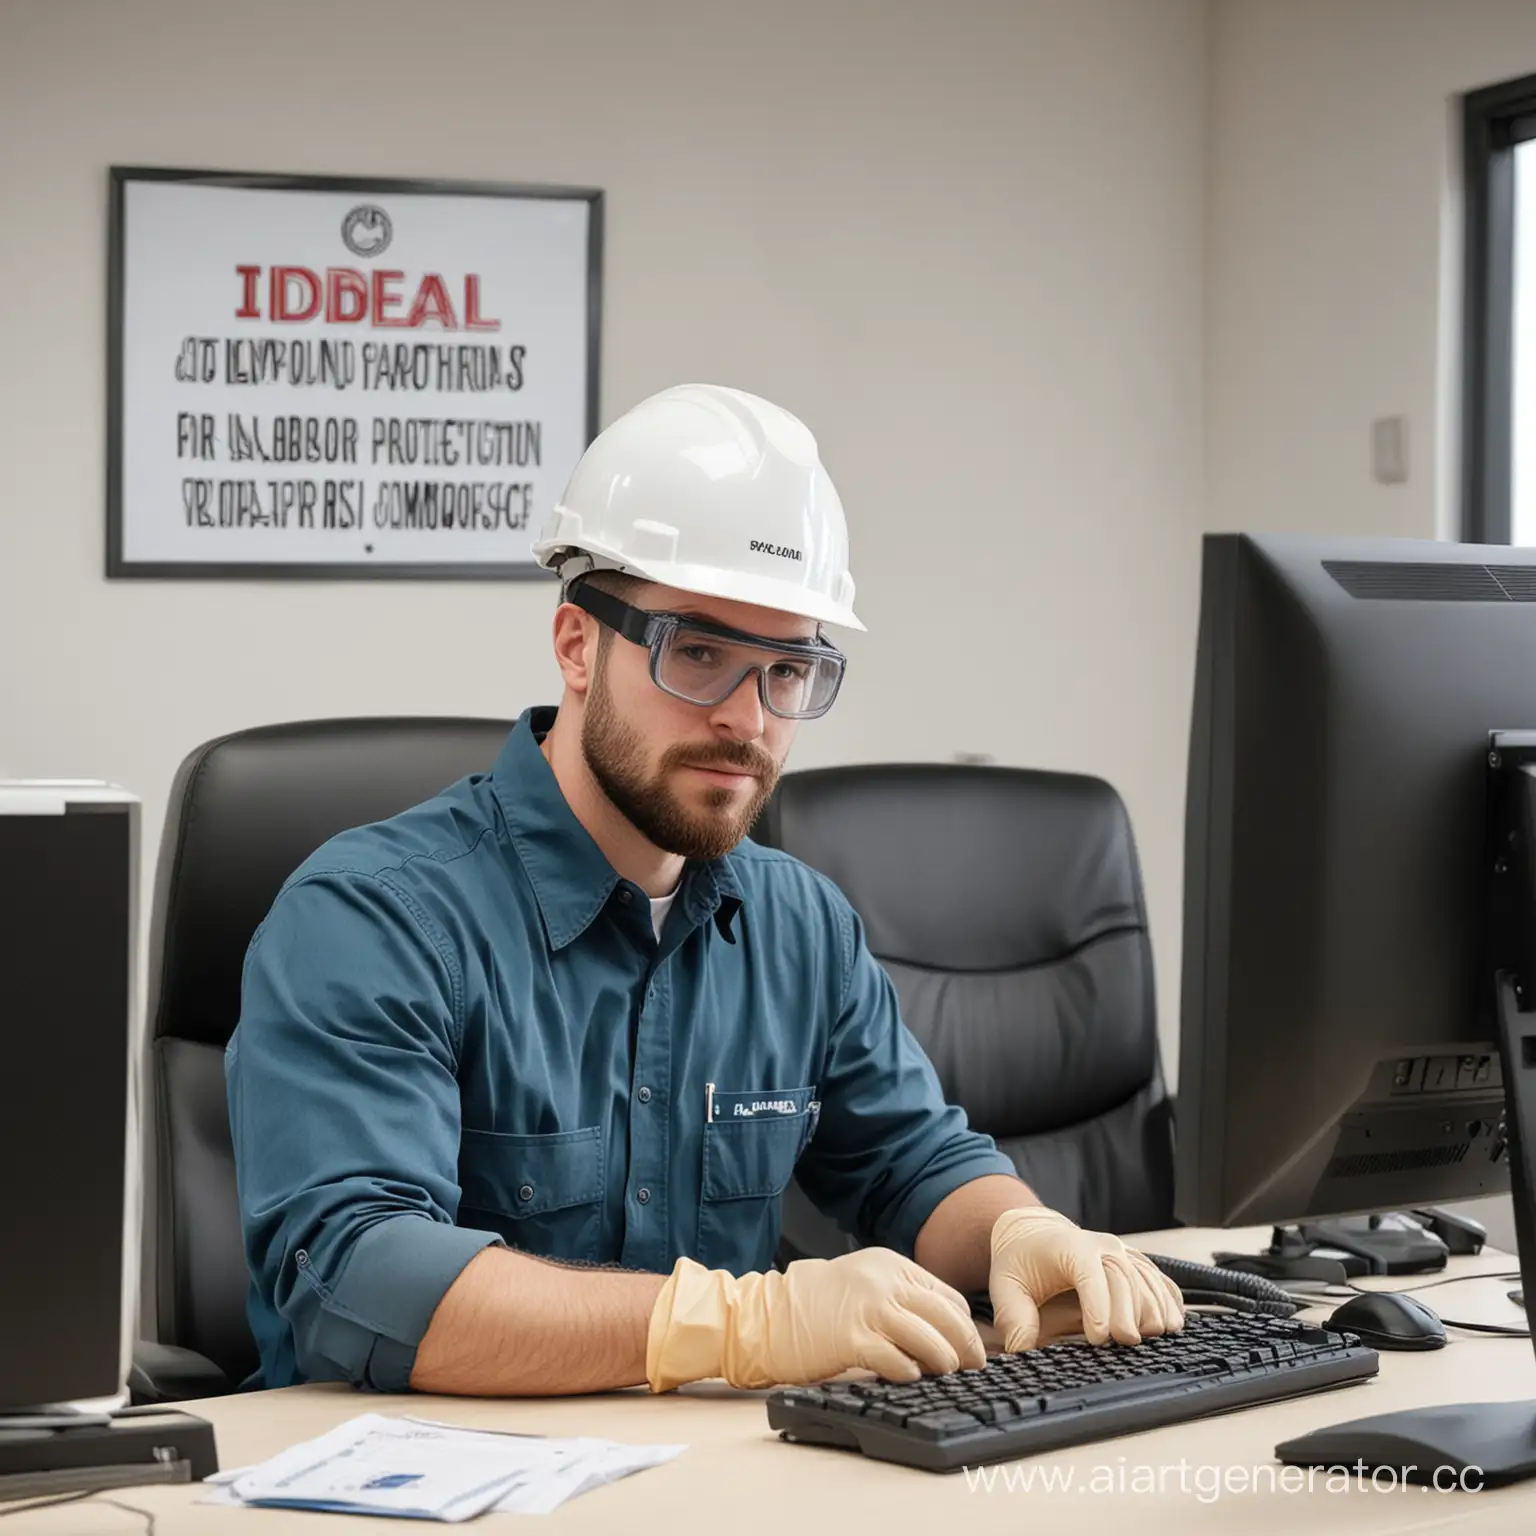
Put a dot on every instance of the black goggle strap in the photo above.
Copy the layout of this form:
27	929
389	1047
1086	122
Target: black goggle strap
641	627
634	624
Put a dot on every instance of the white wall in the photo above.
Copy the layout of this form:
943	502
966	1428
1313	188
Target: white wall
1334	226
964	242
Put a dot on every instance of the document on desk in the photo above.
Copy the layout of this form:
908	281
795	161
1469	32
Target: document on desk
420	1469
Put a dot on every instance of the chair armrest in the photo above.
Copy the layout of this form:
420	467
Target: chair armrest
166	1373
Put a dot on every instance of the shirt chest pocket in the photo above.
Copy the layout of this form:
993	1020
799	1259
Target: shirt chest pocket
748	1161
543	1194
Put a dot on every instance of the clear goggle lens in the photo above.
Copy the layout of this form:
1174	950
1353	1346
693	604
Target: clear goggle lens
705	668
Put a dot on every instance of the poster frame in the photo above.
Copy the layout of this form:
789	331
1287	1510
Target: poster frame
118	566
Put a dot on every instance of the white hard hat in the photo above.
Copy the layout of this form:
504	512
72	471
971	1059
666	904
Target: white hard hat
710	490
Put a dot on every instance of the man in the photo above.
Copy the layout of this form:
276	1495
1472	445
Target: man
522	1074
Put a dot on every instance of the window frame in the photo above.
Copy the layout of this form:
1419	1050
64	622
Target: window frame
1495	120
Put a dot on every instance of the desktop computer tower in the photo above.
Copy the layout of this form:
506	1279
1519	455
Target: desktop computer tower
69	1246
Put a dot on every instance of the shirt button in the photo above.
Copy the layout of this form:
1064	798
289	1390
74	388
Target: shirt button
301	1258
642	1195
526	1192
626	895
645	1095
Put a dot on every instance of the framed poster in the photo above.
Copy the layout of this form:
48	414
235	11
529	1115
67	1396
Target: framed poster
337	377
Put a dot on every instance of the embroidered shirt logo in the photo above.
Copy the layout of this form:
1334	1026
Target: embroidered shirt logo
766	1107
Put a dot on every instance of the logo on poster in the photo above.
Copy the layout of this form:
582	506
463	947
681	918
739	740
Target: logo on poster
367	230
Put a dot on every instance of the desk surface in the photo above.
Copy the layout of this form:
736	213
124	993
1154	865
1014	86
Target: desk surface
737	1476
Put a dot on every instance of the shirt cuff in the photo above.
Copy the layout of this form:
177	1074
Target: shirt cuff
397	1273
907	1216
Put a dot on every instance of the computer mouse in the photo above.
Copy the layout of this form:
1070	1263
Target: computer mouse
1390	1320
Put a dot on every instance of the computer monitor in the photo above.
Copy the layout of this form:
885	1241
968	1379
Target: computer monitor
1338	1051
69	1245
1358	1033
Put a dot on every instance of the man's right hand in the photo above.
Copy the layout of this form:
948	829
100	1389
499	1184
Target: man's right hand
870	1308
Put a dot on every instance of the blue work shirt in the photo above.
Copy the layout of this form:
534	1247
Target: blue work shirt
458	1028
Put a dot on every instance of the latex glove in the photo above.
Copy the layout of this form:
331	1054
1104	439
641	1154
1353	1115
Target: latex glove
869	1308
1082	1282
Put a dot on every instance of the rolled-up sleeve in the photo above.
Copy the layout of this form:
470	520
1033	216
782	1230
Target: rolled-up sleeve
888	1148
345	1119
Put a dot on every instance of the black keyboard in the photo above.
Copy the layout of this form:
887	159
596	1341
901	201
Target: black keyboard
1073	1392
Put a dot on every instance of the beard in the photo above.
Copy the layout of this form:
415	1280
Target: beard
615	755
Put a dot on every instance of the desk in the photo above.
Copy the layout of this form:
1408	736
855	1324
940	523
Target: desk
738	1477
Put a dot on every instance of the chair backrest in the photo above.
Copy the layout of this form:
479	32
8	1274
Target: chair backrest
1006	905
245	811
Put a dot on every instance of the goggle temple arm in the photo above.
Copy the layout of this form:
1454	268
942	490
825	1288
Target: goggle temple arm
634	624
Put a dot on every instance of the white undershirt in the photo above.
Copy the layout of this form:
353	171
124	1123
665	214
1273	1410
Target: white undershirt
660	906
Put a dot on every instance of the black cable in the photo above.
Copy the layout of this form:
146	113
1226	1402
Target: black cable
1504	1330
1429	1285
77	1498
1195	1297
1210	1285
148	1515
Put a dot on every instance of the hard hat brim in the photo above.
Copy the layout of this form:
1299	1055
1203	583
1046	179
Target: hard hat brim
733	586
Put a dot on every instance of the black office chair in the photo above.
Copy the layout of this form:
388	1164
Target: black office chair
245	811
1006	905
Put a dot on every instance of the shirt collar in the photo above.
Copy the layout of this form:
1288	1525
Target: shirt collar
716	890
572	879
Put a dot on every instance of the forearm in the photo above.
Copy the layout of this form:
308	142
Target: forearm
955	1242
512	1325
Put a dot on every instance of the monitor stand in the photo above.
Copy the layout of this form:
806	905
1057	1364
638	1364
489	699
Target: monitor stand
1334	1252
1483	1444
1390	1244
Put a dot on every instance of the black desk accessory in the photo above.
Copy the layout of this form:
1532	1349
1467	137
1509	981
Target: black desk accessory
132	1447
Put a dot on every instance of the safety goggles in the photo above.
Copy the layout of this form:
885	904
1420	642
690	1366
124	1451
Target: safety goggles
704	663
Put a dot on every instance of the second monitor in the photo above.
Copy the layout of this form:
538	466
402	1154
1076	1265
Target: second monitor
1339	1049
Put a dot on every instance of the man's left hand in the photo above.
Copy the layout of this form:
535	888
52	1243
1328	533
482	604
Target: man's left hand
1084	1282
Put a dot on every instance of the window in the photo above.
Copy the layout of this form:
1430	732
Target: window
1499	400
